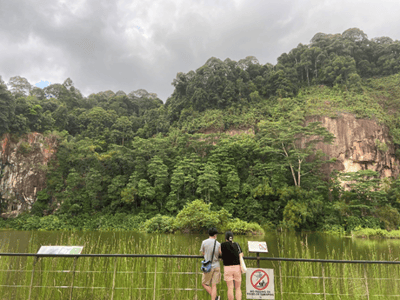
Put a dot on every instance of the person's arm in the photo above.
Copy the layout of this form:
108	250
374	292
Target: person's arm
202	248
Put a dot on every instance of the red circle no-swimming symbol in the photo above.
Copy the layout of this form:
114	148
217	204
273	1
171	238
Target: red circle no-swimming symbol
259	279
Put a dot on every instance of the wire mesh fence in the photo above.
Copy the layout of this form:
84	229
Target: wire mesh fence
141	276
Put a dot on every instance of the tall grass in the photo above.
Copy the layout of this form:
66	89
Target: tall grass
172	278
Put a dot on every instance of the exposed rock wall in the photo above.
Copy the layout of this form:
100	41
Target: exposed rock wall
360	144
23	165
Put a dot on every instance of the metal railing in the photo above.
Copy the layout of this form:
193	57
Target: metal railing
287	277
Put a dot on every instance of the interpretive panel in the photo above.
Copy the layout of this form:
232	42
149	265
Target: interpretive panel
60	250
258	247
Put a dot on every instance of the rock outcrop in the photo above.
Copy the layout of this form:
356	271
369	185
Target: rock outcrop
23	165
359	144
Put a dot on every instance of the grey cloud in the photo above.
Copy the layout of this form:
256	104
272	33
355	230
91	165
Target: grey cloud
125	45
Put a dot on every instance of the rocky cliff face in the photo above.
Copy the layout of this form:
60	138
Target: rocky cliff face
359	145
23	165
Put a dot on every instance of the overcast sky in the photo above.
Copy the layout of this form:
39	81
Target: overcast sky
129	45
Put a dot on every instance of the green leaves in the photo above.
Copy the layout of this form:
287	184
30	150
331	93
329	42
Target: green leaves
208	182
291	141
197	216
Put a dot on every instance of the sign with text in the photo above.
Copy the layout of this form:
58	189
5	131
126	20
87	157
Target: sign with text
260	283
257	247
60	250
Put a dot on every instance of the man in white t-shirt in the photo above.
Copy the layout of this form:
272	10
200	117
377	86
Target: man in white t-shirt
212	278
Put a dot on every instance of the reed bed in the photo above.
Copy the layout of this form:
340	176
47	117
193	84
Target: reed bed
173	278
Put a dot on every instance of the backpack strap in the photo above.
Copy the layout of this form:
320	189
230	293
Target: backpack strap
238	247
212	256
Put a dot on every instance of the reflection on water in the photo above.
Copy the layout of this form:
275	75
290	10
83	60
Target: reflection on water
286	244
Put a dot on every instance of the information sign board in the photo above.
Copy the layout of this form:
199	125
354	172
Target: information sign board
260	283
257	247
60	250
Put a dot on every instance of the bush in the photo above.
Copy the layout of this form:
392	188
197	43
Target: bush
32	223
389	217
3	223
158	224
375	233
368	232
18	222
198	217
354	222
50	223
238	226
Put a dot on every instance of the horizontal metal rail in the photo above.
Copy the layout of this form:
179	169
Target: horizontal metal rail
200	256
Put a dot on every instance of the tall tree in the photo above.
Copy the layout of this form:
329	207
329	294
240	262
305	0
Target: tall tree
19	86
7	108
208	182
292	139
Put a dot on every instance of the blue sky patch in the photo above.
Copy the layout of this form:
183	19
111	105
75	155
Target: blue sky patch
42	84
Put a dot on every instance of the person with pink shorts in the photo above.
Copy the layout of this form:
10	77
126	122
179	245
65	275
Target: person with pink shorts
230	253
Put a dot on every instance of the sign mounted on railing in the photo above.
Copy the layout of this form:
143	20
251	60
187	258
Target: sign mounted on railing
260	284
257	247
60	250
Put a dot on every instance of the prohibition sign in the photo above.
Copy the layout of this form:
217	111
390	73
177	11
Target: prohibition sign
258	280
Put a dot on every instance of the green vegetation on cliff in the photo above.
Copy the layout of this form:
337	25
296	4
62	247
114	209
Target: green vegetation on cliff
232	134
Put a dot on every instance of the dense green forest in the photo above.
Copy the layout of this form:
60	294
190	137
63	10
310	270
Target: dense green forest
130	157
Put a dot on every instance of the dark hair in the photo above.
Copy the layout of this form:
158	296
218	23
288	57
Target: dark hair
229	236
212	231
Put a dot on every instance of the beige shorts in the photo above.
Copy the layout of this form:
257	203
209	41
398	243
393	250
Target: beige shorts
233	273
212	277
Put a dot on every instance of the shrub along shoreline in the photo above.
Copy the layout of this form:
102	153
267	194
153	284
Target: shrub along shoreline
195	217
375	233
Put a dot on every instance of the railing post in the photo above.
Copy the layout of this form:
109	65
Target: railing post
366	281
33	273
280	278
115	273
196	276
73	278
323	279
155	281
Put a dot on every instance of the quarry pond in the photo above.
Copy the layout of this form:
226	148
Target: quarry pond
180	278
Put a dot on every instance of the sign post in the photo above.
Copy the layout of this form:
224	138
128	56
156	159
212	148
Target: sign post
257	247
60	250
259	282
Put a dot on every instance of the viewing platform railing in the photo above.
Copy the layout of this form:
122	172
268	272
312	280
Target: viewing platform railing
295	278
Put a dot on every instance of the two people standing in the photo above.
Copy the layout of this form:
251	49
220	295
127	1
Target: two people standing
230	253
